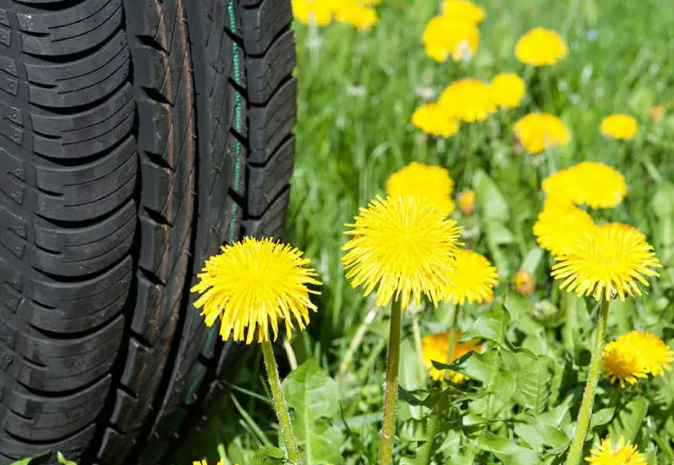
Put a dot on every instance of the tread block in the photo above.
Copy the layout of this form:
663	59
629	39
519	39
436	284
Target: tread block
266	72
262	23
267	181
272	222
270	124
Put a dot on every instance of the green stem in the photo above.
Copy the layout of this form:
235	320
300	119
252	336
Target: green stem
416	333
388	428
453	332
279	403
582	425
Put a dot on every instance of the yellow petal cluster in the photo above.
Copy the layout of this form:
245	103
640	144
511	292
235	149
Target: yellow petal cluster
559	225
467	100
619	126
430	183
463	10
319	12
467	202
402	246
472	278
524	283
431	119
623	453
540	131
446	36
606	262
252	285
507	90
635	355
540	47
357	13
588	183
435	347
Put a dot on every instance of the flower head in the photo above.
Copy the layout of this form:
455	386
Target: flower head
606	261
435	347
430	183
540	47
468	100
464	10
588	183
467	202
656	356
445	36
205	462
559	225
622	362
319	12
622	453
539	131
252	285
431	119
507	90
404	246
357	14
472	278
619	126
524	283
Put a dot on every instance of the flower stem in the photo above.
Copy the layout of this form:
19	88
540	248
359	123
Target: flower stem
388	428
279	403
453	333
585	413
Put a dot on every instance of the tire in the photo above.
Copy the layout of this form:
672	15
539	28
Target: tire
136	137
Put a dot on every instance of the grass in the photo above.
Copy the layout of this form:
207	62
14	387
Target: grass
357	92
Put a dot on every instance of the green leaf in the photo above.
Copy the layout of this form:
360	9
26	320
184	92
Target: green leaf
530	435
490	325
602	417
552	436
663	200
492	205
533	381
532	260
483	367
629	419
269	456
314	398
27	460
518	305
63	461
499	445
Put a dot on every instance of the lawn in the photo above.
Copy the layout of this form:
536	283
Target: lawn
357	92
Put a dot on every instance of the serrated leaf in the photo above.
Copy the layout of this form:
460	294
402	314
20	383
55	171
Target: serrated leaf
533	382
490	325
314	399
483	367
269	456
62	460
499	445
629	419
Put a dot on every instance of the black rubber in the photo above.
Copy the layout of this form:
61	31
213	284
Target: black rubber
136	137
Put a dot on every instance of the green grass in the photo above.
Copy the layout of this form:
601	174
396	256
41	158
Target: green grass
357	92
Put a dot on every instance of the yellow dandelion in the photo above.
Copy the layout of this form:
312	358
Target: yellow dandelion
619	126
624	227
489	298
622	453
205	462
507	90
655	355
253	284
463	10
435	347
467	202
559	225
357	14
404	246
540	47
319	12
430	183
472	278
539	131
467	100
588	183
431	119
524	283
445	36
606	261
622	363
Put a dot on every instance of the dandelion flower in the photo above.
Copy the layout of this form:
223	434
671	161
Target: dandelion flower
624	227
507	90
319	12
431	119
445	36
588	183
436	348
430	183
463	10
606	261
467	202
472	278
468	100
622	453
540	47
622	363
205	462
524	283
619	126
252	285
356	14
559	225
404	246
539	131
655	355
